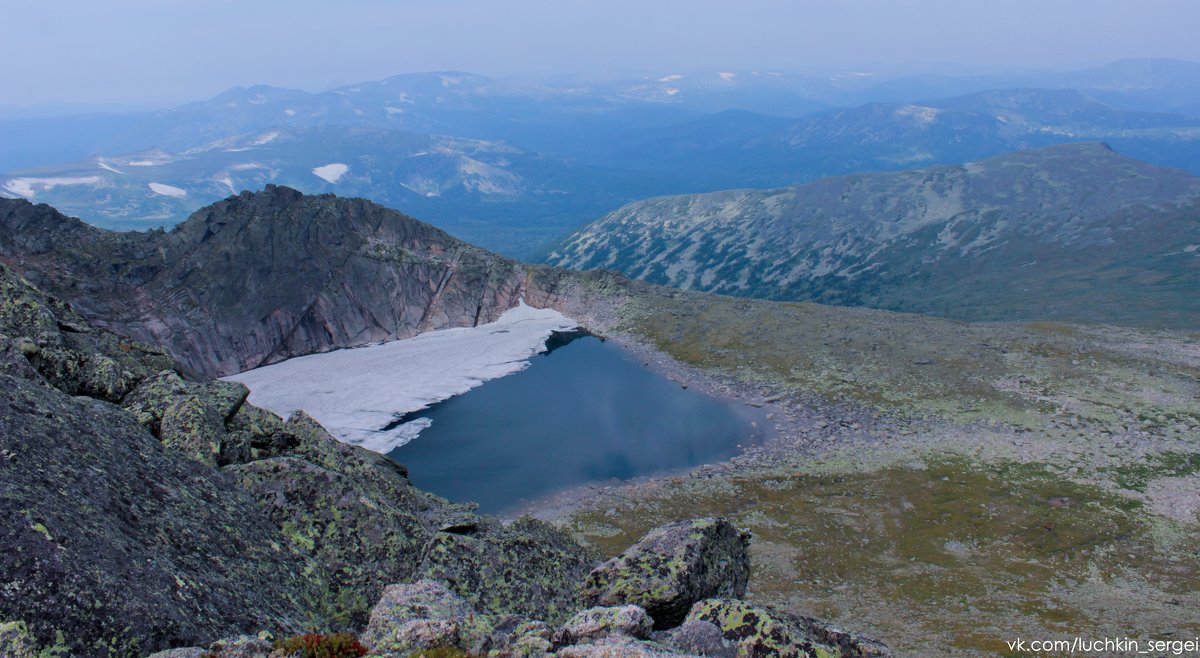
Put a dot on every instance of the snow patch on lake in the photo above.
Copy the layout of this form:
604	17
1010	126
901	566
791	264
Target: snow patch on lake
331	172
168	190
356	393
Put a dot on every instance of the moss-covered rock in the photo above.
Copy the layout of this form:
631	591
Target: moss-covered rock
527	568
673	567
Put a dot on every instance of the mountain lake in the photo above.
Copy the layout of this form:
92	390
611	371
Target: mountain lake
583	411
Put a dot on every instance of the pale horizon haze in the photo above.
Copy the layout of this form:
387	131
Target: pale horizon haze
150	52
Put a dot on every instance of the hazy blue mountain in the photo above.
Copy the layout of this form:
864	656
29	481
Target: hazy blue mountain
494	192
34	142
1071	232
1157	85
762	152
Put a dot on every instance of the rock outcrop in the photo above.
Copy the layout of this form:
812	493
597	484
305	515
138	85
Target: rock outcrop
261	277
111	542
429	617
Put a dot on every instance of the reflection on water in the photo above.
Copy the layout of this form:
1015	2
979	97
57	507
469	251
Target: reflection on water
583	412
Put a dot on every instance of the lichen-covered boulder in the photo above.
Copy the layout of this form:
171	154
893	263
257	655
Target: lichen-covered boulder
193	428
149	401
765	631
526	568
673	567
154	396
599	623
410	617
188	652
261	431
243	646
618	647
701	638
16	642
851	644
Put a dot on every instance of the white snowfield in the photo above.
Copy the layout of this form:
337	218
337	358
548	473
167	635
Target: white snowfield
357	392
331	172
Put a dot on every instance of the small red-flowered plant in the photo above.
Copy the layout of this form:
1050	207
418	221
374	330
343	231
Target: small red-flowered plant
315	645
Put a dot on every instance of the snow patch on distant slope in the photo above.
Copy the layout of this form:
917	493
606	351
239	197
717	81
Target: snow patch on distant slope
356	393
168	190
919	113
105	165
265	138
27	187
331	172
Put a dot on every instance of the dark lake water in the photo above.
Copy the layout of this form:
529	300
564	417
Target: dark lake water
583	412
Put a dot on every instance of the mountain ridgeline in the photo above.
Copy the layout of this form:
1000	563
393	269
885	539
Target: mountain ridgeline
1071	232
261	277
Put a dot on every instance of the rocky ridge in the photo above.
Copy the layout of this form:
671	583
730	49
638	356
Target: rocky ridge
257	278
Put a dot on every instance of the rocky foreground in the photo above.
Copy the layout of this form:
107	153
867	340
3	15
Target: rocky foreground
146	510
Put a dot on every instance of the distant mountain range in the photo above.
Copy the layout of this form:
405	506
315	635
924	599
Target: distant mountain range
468	186
514	166
1070	232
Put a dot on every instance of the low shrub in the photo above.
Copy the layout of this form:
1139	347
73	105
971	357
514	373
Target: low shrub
314	645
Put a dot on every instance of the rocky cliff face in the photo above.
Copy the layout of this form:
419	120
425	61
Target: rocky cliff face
1073	232
143	509
258	278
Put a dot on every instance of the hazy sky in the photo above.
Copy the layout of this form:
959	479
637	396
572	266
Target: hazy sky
137	51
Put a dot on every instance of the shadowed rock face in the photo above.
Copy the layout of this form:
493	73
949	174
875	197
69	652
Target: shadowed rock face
106	535
261	277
